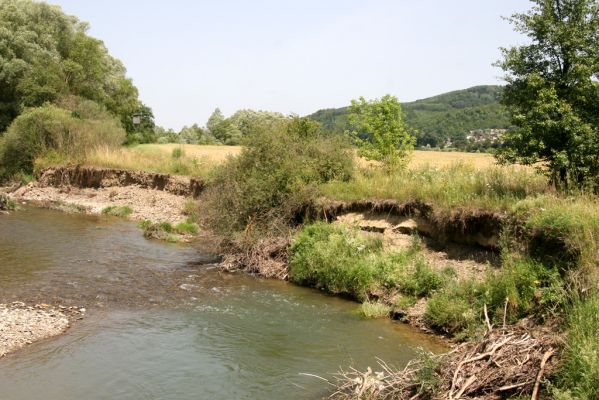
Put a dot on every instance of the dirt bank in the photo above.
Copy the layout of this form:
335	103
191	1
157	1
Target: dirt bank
96	178
21	325
155	197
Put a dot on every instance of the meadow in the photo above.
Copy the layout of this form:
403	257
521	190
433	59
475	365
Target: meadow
194	159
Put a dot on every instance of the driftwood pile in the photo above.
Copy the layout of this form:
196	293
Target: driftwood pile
508	362
266	258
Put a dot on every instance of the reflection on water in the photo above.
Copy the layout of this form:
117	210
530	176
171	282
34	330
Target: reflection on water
164	324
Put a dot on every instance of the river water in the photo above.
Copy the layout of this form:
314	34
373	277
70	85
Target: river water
163	323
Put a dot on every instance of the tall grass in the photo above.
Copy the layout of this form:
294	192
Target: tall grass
579	375
495	188
342	260
151	159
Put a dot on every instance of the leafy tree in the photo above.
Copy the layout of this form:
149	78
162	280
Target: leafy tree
380	131
46	55
553	93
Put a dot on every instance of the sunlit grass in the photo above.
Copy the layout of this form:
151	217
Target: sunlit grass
460	184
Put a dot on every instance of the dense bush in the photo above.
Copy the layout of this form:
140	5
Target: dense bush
274	177
57	133
341	259
521	288
337	259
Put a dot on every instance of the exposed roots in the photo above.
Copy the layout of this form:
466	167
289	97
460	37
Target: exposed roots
505	363
267	258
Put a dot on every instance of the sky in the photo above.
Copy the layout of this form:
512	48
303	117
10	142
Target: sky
188	57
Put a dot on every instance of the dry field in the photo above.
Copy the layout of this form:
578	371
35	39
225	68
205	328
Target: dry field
154	154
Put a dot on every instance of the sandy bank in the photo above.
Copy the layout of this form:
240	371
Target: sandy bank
21	325
152	204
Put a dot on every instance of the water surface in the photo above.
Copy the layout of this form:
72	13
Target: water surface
164	323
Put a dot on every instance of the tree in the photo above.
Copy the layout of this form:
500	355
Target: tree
46	55
552	91
380	131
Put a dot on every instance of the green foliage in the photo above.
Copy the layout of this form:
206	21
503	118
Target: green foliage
421	281
57	132
6	203
439	119
336	259
374	309
47	55
272	179
579	374
380	132
454	309
530	289
552	91
340	259
187	227
458	185
118	211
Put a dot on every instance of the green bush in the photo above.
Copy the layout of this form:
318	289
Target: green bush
6	203
421	280
454	309
57	133
529	288
273	179
335	258
579	375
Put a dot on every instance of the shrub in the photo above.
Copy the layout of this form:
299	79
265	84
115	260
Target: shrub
454	309
57	131
335	258
6	203
272	179
579	374
529	288
421	280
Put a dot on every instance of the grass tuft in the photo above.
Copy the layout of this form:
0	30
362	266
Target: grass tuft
374	309
118	211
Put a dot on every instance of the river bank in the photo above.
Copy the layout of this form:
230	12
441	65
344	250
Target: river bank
21	325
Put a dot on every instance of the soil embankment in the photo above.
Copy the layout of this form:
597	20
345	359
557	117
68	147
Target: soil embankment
151	196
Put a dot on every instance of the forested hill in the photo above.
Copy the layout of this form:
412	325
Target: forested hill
436	119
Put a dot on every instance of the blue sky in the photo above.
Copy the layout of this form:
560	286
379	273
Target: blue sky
188	57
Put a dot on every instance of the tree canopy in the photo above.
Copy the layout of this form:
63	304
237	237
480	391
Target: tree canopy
380	130
552	91
46	55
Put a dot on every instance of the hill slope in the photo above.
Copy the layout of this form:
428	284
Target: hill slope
436	119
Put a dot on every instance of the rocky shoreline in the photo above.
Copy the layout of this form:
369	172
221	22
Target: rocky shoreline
21	325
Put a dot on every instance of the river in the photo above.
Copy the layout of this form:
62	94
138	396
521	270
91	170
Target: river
164	323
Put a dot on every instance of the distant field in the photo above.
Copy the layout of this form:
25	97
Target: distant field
214	154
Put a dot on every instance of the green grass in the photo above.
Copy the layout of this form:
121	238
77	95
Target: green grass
522	287
579	374
493	188
186	227
374	309
341	259
118	211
